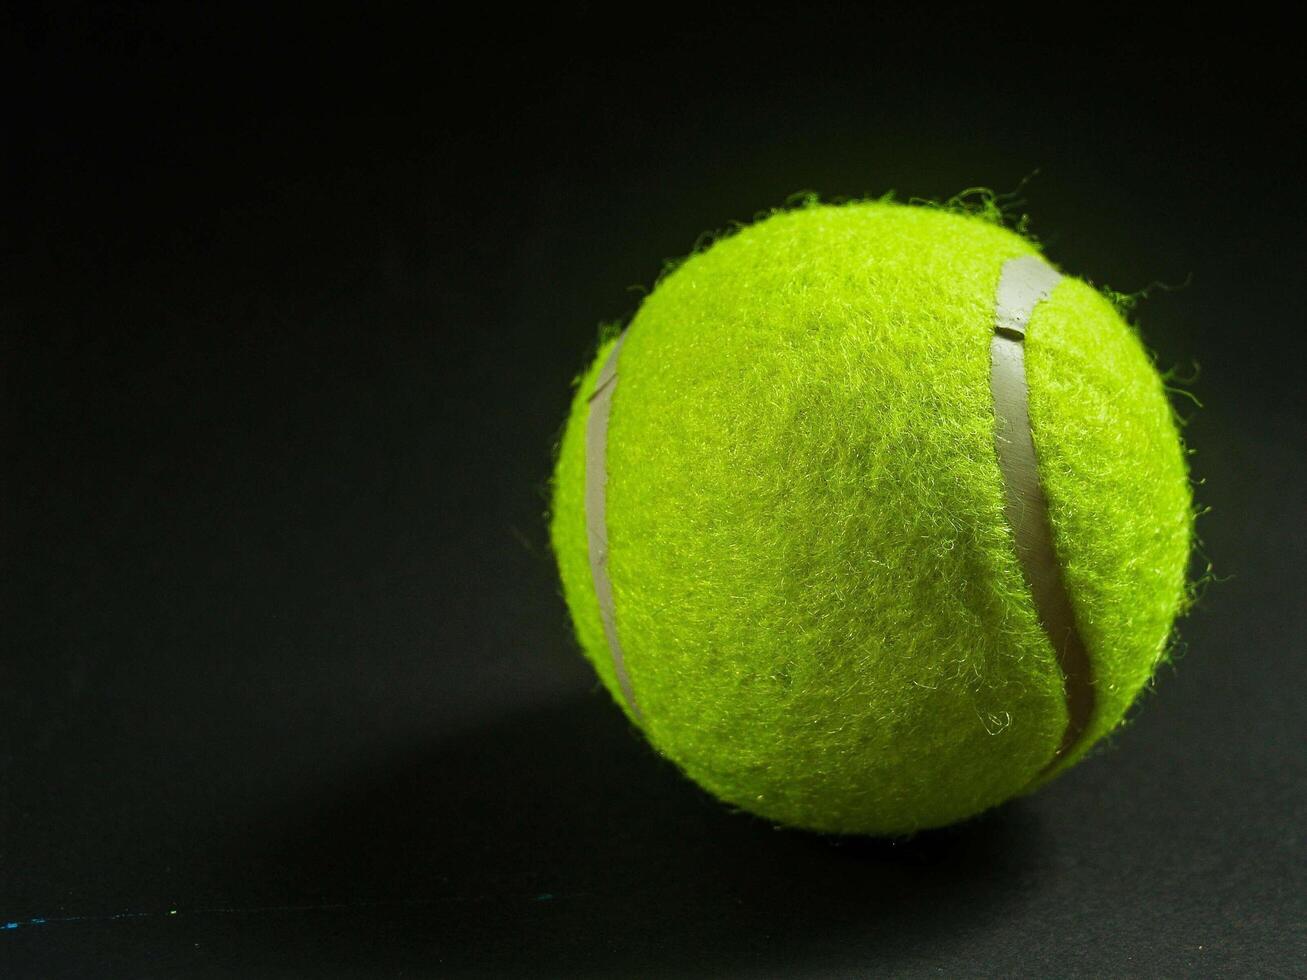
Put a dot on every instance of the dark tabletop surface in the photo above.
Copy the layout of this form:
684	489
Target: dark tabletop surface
290	312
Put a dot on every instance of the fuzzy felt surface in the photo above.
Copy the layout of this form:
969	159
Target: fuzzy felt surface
821	611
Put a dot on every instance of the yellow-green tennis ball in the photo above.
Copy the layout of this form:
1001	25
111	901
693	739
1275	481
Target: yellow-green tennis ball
800	540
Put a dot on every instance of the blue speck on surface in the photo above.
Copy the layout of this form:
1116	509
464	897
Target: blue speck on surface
544	897
11	925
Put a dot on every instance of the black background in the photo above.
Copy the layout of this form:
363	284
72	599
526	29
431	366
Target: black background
291	308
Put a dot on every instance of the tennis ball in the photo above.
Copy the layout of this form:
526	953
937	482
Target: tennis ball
871	520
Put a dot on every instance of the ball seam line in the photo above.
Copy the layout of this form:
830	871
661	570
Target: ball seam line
1023	284
596	514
